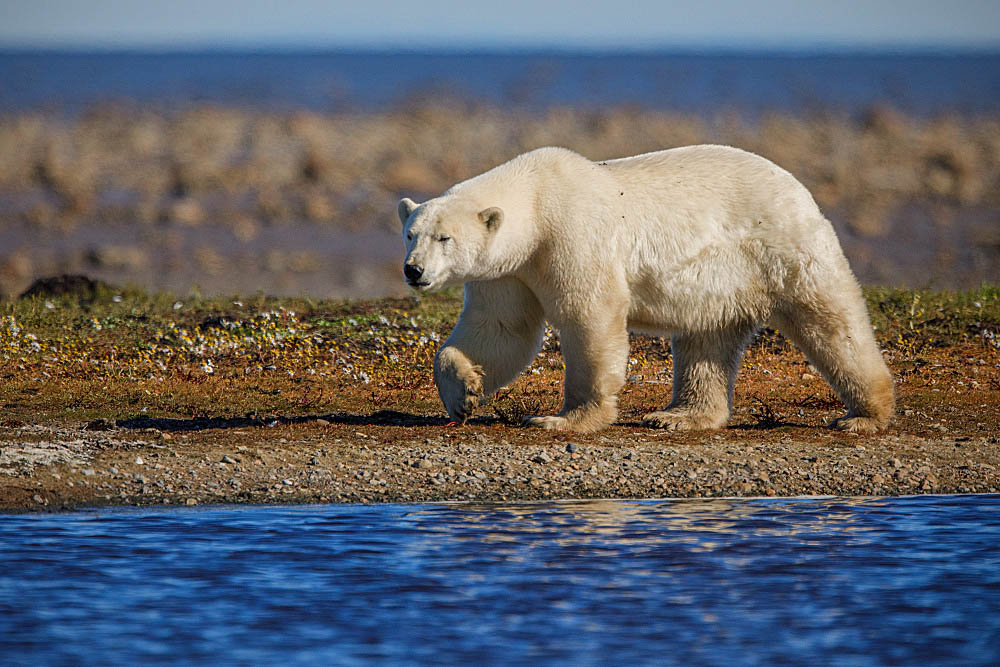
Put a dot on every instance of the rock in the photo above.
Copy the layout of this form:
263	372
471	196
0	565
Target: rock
229	459
808	376
100	424
139	461
895	463
76	285
190	501
322	422
542	458
571	447
88	472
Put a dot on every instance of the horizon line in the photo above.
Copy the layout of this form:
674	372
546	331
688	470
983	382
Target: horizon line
380	48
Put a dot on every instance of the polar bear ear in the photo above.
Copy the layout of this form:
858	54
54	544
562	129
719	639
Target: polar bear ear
491	217
405	208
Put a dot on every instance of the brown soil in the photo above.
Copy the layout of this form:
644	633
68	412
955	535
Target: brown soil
325	441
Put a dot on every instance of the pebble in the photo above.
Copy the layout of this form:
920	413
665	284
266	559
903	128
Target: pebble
895	463
190	501
139	461
37	498
228	459
542	458
323	422
88	472
571	447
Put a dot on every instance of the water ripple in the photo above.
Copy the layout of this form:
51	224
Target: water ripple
830	581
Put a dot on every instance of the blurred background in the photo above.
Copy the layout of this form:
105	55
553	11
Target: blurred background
233	147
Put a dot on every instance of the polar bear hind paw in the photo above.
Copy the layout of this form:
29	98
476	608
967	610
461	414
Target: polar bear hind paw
681	420
853	424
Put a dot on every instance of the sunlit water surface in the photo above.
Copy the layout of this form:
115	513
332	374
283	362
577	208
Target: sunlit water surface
800	581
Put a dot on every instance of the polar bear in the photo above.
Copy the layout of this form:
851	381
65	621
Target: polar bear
704	243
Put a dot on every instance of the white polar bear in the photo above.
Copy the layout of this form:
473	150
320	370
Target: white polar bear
703	243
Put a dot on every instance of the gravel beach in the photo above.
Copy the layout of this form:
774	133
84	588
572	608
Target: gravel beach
111	397
350	459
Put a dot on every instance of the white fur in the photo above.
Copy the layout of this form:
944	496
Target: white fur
703	243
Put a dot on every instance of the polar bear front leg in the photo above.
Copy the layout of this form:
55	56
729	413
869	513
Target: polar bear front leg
459	382
595	354
497	336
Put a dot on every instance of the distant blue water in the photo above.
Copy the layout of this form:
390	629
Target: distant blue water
752	83
804	581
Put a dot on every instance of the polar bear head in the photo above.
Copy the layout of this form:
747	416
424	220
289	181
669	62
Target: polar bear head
446	240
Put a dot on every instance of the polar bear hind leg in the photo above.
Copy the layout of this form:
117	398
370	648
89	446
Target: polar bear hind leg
705	368
835	335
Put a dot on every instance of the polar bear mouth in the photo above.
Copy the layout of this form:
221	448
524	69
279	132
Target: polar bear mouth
417	283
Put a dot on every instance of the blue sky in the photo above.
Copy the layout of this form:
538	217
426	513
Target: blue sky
504	24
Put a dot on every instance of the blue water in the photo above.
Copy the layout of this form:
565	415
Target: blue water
802	581
753	83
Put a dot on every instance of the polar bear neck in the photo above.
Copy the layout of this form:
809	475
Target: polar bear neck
524	188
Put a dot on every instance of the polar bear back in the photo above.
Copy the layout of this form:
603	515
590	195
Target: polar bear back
699	233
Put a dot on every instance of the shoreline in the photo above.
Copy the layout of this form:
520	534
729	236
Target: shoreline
110	397
311	462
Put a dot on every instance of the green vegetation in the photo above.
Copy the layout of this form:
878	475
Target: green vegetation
128	354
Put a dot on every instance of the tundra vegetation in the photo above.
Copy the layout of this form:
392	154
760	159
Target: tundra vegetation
121	396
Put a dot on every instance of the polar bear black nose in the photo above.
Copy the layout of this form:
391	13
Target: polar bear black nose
413	272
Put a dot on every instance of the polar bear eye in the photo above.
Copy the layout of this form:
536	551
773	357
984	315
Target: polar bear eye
409	236
442	239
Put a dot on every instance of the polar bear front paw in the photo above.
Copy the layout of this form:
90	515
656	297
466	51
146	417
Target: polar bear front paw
463	396
459	383
548	422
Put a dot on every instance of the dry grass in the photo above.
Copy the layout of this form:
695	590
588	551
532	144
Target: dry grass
247	168
132	398
129	355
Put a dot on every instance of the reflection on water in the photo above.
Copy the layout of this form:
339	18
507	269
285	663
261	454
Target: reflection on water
843	581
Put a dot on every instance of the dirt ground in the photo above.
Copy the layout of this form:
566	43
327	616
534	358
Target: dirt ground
393	443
